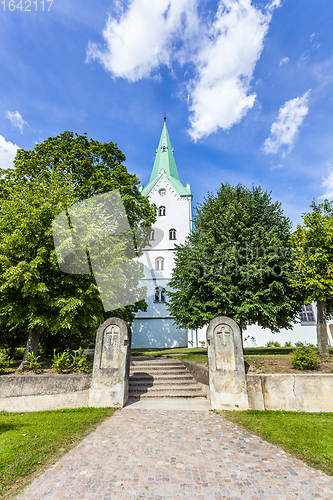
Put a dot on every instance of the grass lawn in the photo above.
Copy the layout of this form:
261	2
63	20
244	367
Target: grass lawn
31	442
308	436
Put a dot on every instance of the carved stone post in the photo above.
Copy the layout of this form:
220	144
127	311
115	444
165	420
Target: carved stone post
109	385
227	382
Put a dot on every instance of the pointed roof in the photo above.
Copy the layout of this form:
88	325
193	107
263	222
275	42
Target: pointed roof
164	160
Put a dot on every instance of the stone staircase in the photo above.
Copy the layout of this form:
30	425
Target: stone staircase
161	378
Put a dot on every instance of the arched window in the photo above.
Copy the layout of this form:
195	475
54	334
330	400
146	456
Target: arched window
164	147
172	234
152	235
159	294
159	264
161	210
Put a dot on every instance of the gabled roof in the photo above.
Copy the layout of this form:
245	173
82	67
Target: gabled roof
165	161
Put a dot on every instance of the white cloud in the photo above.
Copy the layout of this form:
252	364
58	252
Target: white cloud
328	184
220	95
143	36
285	60
16	119
7	153
284	131
146	34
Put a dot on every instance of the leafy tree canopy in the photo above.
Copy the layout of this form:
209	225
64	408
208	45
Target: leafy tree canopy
313	261
34	293
95	168
235	263
313	264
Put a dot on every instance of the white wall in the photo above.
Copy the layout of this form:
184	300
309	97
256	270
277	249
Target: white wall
155	327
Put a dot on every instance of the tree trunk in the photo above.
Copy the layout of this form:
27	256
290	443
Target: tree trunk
322	339
32	345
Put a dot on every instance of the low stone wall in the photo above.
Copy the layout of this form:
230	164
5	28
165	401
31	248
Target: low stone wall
277	391
23	393
199	373
291	392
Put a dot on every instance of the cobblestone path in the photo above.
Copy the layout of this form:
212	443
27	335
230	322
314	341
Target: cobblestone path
176	454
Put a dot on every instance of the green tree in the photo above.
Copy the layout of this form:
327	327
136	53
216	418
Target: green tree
235	263
56	174
94	167
34	293
313	264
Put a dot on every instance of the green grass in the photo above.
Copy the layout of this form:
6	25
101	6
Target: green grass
199	358
308	436
31	442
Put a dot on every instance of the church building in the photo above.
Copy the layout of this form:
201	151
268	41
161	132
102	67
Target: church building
155	327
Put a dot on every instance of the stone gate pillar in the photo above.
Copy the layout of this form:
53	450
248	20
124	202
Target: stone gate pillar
227	382
109	384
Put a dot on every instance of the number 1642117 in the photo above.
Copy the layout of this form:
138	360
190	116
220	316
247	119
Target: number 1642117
27	5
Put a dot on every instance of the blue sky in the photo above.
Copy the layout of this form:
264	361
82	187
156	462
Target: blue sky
247	87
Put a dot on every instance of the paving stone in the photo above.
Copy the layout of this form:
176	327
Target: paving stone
134	455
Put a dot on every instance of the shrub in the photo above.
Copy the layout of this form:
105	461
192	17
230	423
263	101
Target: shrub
32	362
79	361
4	361
273	343
304	358
299	344
202	343
61	361
191	342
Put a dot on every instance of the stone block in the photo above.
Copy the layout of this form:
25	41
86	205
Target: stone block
227	381
110	378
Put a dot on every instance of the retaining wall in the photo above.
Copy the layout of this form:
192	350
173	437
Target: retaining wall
31	392
289	392
199	373
312	392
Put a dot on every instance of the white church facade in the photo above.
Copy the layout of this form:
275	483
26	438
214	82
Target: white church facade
155	328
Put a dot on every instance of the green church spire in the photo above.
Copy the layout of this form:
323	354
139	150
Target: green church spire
165	160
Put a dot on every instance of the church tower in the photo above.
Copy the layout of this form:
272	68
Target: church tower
155	328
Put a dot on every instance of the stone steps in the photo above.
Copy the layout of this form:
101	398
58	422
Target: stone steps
161	378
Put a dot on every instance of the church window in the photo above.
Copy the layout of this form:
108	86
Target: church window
159	294
152	235
162	192
159	264
161	210
164	148
307	315
172	234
